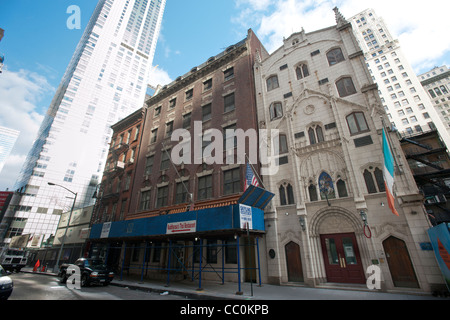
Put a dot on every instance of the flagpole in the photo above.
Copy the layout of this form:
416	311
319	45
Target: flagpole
254	171
179	176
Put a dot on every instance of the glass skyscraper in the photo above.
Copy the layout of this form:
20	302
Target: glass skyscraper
8	138
106	80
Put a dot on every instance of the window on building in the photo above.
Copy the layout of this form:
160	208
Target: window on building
181	194
162	197
145	200
149	165
127	182
230	251
302	71
232	181
207	85
374	180
165	160
211	251
341	188
357	123
157	249
173	103
281	144
345	87
136	133
315	134
335	56
187	120
229	137
206	112
123	207
312	190
189	94
228	74
326	186
276	110
204	187
229	102
154	136
286	194
272	83
169	129
157	111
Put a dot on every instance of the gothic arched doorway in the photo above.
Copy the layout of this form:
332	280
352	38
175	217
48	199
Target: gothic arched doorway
294	262
400	265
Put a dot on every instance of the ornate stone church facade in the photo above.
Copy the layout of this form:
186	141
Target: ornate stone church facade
330	220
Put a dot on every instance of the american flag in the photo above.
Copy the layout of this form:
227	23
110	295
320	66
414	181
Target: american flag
250	178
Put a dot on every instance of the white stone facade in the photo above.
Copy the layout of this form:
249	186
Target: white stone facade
313	109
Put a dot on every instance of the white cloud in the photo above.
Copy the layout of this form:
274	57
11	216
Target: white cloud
159	76
419	26
20	94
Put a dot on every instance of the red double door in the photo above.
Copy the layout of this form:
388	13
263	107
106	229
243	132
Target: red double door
342	258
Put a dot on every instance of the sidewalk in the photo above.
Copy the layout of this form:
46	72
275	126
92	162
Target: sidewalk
212	290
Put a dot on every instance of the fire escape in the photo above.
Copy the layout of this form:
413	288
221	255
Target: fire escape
430	165
106	192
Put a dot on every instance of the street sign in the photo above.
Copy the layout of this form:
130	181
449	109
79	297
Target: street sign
181	227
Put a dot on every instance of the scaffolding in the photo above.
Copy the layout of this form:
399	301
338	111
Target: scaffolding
192	266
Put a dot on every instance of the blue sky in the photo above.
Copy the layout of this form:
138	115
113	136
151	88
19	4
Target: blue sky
38	45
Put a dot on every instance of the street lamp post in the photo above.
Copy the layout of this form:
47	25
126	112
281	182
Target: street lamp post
55	268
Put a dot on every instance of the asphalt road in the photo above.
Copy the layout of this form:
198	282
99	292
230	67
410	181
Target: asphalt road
29	286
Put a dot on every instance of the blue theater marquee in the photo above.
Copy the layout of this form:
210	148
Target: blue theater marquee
248	212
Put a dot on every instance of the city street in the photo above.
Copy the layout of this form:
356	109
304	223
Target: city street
41	287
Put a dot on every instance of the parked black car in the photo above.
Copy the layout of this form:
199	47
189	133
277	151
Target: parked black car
92	271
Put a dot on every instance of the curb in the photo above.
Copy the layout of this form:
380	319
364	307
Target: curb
189	295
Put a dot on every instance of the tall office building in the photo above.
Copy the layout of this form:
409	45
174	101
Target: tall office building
8	138
106	80
405	100
437	83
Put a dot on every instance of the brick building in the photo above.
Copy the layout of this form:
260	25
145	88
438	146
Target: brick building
203	195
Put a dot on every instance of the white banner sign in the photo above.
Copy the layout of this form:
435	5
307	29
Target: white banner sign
245	213
181	227
105	230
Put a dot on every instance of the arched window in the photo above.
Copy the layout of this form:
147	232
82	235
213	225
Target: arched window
379	179
286	194
312	136
357	123
312	192
276	110
319	133
345	87
374	180
326	186
272	83
341	188
335	56
315	134
302	71
370	184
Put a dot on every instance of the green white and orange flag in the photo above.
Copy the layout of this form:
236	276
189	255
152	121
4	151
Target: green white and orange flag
388	174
